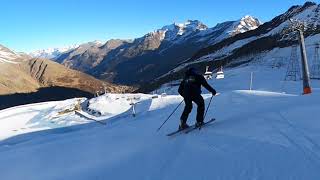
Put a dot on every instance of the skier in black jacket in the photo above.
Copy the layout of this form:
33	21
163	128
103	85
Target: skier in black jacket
190	90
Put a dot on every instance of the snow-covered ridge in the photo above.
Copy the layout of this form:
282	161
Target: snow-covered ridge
174	30
8	56
196	28
309	16
51	53
181	28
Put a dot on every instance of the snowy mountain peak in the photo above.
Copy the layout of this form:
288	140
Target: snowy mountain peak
246	23
192	25
189	24
95	43
250	19
179	29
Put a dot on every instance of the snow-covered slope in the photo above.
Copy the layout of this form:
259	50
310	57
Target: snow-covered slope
261	134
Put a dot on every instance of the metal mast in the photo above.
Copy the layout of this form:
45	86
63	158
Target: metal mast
315	68
299	26
293	70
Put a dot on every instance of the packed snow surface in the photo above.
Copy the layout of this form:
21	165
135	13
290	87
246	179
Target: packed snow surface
270	132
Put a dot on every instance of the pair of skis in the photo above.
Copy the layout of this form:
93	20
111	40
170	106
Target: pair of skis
190	128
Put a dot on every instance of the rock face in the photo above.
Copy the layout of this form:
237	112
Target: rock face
135	62
21	74
78	57
271	39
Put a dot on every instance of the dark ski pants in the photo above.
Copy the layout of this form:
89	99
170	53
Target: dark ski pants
198	99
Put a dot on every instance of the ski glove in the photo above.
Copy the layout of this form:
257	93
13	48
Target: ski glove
214	92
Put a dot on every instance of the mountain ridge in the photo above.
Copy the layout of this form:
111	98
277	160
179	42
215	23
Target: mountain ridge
153	54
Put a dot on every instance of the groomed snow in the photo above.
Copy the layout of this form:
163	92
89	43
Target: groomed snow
260	134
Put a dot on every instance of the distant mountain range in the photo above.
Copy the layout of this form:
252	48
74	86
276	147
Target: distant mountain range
52	53
134	62
163	55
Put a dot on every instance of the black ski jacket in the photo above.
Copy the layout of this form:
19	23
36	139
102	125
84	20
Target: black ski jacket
191	85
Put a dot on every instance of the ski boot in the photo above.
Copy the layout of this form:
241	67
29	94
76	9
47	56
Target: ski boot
199	124
183	125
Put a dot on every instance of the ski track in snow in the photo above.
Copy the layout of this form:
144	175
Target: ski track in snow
310	147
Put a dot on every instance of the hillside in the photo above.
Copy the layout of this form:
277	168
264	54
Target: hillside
25	74
28	80
49	73
12	78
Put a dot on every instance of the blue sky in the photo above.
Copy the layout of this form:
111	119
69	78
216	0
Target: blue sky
28	25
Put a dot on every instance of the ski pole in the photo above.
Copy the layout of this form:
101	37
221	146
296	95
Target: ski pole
169	116
208	107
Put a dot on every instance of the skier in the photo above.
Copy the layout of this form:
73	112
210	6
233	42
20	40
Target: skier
190	90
